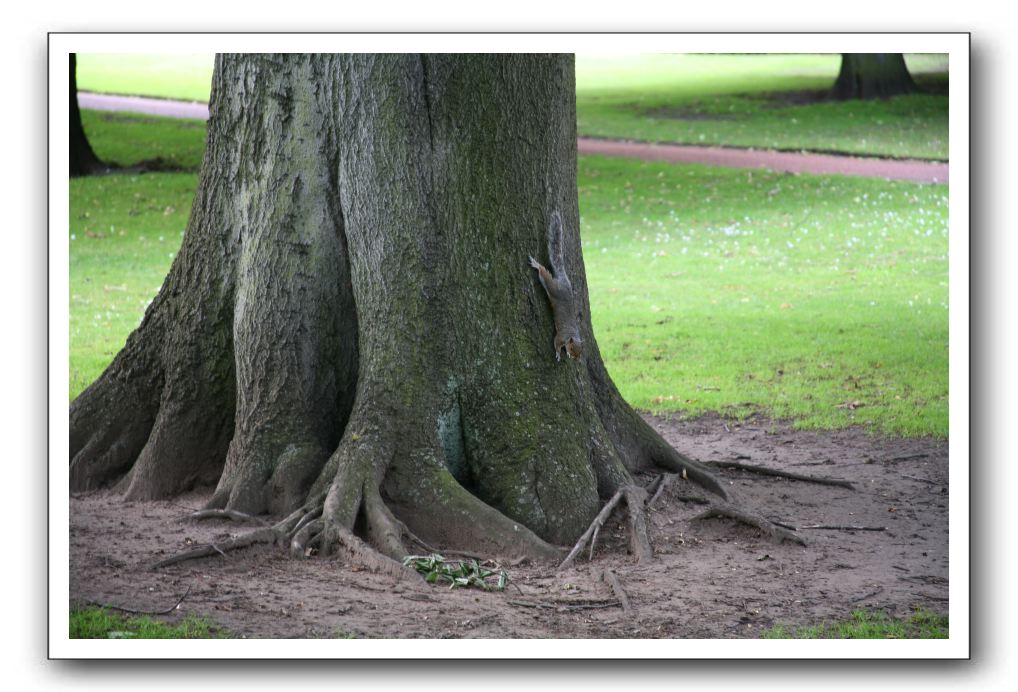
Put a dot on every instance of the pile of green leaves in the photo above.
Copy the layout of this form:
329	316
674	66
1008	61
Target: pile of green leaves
465	573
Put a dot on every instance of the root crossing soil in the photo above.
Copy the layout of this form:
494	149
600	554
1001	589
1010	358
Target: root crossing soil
710	578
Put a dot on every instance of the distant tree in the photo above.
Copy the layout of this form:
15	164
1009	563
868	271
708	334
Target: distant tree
83	160
872	76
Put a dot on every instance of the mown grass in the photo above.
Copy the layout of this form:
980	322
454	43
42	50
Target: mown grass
100	623
184	76
124	233
686	98
742	100
125	139
922	624
817	299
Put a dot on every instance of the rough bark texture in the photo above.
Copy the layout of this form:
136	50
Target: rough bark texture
83	160
351	334
872	75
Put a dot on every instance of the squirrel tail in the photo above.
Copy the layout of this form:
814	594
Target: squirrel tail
555	249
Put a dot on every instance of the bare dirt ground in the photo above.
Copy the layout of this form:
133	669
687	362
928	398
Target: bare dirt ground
711	578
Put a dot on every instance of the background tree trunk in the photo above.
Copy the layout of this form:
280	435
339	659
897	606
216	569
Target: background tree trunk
351	333
83	160
872	75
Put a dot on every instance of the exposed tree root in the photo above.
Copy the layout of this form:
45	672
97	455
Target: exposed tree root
662	482
635	497
134	611
266	535
776	533
563	606
830	527
616	586
224	514
367	556
763	470
304	535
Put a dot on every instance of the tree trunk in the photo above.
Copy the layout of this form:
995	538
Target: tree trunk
83	160
351	333
872	75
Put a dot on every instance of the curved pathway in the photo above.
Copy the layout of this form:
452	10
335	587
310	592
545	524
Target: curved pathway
781	161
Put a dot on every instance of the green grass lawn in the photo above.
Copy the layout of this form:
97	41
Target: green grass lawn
685	98
813	298
922	624
100	623
818	299
183	76
731	100
125	231
124	139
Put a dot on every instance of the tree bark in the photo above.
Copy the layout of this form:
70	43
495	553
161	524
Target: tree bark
83	160
872	75
351	333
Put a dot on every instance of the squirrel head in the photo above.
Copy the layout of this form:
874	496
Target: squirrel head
574	347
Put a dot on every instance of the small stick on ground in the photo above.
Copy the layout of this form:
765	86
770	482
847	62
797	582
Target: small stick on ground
666	479
224	514
594	527
776	533
566	606
763	470
693	499
613	581
635	497
265	535
869	595
917	478
135	611
906	457
834	527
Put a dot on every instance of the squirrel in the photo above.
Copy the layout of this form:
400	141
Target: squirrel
560	293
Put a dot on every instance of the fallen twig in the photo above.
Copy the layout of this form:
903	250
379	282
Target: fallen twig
567	606
835	527
841	483
265	535
932	597
616	586
917	478
224	514
635	497
665	480
869	595
135	611
906	457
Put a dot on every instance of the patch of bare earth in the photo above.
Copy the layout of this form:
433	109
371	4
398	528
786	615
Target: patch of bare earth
711	578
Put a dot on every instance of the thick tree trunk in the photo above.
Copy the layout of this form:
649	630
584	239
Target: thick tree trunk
351	333
872	75
83	160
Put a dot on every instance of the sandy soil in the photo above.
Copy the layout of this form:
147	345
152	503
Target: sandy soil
710	579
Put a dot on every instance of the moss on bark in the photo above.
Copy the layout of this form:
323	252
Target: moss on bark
351	333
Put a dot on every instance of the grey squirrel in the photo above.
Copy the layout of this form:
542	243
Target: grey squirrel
560	293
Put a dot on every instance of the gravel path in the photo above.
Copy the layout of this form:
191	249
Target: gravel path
790	162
